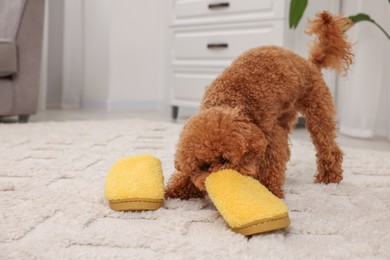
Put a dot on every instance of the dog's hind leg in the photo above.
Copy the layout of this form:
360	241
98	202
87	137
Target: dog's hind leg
318	107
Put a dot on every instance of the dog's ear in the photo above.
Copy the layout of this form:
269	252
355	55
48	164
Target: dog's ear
253	135
256	139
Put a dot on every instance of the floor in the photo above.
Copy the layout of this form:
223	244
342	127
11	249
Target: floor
378	143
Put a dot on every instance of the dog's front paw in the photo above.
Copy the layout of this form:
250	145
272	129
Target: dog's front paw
277	191
181	187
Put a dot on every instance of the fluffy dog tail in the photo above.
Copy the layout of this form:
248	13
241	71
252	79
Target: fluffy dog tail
331	48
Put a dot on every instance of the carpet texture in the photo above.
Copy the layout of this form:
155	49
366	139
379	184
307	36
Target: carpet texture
52	204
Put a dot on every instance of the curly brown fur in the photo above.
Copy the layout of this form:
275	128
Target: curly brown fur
248	111
331	48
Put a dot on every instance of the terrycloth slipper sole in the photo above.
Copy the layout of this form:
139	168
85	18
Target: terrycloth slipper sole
264	225
136	204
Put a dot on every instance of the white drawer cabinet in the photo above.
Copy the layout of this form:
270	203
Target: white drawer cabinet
206	36
225	42
189	12
189	86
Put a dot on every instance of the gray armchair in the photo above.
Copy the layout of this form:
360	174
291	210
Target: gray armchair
21	33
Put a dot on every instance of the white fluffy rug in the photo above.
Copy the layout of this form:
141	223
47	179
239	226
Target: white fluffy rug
52	204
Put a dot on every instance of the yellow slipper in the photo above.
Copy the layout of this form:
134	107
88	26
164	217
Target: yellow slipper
246	205
135	183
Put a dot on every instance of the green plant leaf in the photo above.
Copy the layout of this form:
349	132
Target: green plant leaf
360	17
365	17
297	8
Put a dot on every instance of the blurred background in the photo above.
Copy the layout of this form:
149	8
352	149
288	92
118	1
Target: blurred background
155	57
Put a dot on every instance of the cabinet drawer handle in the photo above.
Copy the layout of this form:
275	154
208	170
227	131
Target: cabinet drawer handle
219	5
217	46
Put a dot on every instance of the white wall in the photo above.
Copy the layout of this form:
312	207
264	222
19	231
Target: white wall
54	53
365	36
96	67
124	54
73	51
106	54
138	33
364	96
43	77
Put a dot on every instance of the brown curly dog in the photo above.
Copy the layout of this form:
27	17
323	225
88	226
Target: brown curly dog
249	109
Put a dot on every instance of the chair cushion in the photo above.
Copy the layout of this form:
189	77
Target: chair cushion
10	14
8	59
